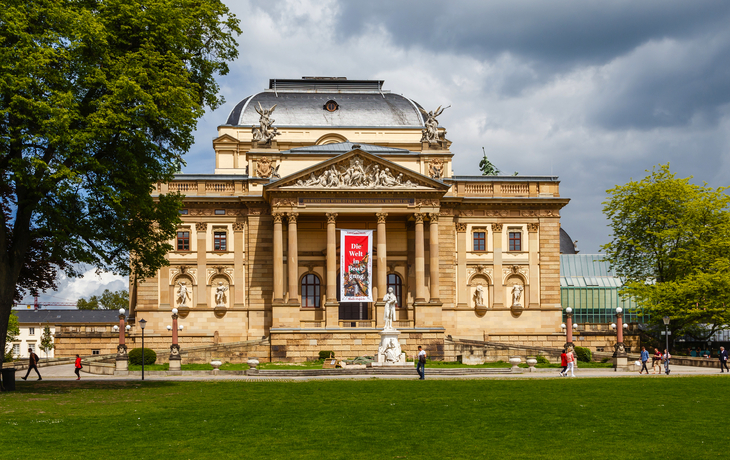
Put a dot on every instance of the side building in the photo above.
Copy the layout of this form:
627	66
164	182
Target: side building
258	253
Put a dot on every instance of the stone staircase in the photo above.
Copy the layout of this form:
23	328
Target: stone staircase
375	371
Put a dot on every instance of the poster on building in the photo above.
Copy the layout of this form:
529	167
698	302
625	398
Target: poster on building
356	250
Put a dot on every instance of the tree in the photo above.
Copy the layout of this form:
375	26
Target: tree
670	245
47	340
98	103
108	301
486	166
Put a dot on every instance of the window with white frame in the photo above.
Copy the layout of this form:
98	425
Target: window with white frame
16	349
31	331
32	347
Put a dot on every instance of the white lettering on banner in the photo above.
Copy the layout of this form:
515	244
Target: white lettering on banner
356	266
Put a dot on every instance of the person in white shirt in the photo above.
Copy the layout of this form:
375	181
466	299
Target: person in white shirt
421	367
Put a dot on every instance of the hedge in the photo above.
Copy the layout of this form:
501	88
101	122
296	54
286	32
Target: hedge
135	356
325	354
583	354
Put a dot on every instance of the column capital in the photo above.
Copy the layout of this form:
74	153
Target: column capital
292	217
331	217
277	217
532	228
461	227
238	226
381	217
201	226
434	216
419	217
496	227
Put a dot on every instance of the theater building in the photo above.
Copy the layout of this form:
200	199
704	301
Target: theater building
258	252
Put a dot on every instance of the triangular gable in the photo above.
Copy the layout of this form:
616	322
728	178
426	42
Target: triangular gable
356	170
225	139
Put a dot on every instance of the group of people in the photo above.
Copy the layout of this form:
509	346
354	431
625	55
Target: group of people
656	361
568	360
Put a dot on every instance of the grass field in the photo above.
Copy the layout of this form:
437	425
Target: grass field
597	418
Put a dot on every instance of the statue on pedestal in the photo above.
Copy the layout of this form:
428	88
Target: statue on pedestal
220	294
183	294
516	295
479	296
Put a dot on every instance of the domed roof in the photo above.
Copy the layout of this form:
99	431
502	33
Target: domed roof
567	246
329	102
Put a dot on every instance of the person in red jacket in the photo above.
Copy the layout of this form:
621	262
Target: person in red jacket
78	367
564	363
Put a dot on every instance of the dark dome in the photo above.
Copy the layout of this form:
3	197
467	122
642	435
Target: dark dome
566	243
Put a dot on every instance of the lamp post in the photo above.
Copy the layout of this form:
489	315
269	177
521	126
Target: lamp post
568	327
666	331
620	358
175	358
142	324
121	361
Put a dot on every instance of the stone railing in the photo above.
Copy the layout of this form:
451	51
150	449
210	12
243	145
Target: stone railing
515	189
357	323
183	187
219	187
498	186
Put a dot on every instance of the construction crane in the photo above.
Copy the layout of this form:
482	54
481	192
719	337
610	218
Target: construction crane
38	305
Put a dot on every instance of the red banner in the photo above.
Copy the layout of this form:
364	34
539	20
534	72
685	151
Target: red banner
356	251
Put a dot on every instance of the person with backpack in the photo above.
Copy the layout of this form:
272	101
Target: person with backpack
564	363
78	367
32	364
421	367
665	358
723	360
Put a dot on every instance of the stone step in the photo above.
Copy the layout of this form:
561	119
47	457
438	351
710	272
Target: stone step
378	371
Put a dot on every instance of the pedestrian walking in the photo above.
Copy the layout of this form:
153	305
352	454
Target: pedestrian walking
32	364
665	358
656	362
723	360
570	358
564	363
644	359
421	367
78	367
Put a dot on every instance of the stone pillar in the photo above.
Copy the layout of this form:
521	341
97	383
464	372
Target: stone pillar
239	274
293	259
568	327
164	278
121	361
278	262
463	293
175	358
382	269
433	230
420	262
497	247
620	358
201	229
532	298
331	305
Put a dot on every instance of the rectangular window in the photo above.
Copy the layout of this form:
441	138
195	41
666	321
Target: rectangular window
32	347
220	212
31	331
95	352
515	241
480	241
219	241
16	349
183	241
184	212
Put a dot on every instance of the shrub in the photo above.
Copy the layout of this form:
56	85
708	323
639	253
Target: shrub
324	354
135	356
542	360
583	354
605	360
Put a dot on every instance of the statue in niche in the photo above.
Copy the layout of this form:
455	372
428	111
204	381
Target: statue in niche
517	295
389	309
183	294
220	294
479	296
431	130
265	133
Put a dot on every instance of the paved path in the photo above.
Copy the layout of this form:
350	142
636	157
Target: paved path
66	373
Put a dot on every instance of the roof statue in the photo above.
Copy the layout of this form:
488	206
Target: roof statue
431	130
266	132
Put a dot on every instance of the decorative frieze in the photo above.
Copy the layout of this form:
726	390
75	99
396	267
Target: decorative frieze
201	226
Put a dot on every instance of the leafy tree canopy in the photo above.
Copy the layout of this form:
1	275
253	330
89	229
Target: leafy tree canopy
47	340
98	103
671	242
107	301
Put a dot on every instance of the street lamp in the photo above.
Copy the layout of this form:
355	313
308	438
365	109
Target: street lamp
666	330
568	327
142	324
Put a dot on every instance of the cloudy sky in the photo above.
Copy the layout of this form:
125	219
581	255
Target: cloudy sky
595	92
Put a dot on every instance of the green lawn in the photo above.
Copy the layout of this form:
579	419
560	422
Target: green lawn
597	418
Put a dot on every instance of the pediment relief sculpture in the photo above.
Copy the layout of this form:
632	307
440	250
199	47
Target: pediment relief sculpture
357	173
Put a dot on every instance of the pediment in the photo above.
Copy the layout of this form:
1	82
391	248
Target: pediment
357	170
225	139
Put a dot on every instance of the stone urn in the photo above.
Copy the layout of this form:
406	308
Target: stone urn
515	362
531	361
216	363
252	363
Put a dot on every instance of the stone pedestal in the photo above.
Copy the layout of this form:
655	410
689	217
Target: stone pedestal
121	363
621	363
175	363
389	352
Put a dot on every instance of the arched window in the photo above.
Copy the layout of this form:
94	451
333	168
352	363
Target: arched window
395	282
310	291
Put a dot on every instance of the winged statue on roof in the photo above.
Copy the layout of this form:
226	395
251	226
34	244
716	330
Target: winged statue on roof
266	132
431	130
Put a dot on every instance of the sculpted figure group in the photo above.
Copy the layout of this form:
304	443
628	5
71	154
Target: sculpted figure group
356	175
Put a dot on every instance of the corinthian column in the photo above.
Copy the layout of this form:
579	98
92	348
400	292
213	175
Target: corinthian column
278	262
293	259
420	262
332	315
382	256
433	228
